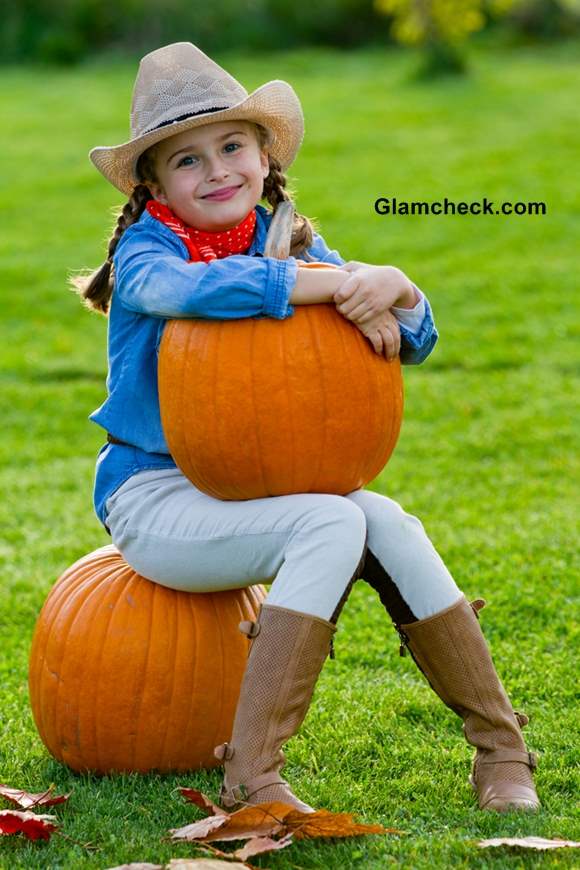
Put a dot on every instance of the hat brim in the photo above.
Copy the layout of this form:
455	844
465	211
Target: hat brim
275	105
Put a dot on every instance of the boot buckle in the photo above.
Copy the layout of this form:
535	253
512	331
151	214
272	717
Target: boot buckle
224	752
249	628
238	792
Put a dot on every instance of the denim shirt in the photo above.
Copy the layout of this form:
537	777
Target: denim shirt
155	282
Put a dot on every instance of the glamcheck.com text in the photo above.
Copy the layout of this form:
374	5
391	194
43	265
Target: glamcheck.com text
392	206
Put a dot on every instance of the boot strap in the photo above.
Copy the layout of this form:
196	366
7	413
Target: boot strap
522	718
243	791
497	756
477	605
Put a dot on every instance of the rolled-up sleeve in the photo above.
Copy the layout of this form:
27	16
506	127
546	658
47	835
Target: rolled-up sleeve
152	277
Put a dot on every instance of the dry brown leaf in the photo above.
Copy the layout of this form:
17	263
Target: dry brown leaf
323	823
259	820
202	801
203	864
138	866
529	843
32	825
26	800
258	845
201	830
270	819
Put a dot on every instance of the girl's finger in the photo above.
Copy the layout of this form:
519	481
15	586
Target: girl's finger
359	313
376	340
346	290
389	344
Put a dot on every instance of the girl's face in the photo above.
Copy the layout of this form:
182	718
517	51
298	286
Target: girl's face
212	176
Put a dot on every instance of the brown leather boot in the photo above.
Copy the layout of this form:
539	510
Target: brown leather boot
287	653
451	651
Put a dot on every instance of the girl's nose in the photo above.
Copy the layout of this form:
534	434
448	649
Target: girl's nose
216	170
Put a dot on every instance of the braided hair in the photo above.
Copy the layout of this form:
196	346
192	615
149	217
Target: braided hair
275	192
96	288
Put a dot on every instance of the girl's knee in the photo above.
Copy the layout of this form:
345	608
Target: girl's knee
383	513
340	521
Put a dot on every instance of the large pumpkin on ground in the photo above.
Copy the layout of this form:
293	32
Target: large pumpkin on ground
128	675
258	407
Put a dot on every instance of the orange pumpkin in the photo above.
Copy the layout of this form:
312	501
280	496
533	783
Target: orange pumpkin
264	407
128	675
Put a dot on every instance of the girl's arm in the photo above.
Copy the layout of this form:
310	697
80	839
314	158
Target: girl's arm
153	277
418	332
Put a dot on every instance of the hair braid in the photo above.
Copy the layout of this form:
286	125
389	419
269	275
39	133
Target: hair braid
275	192
96	287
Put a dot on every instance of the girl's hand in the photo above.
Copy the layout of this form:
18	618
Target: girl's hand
371	291
384	334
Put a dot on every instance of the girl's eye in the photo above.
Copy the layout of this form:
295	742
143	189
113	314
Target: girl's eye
235	144
186	161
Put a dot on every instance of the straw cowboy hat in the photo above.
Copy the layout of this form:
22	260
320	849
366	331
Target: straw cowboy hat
177	88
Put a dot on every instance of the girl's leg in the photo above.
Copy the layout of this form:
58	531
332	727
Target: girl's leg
311	546
308	546
402	564
441	630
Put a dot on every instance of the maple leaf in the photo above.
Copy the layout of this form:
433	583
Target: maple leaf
252	821
26	800
32	825
203	864
269	819
323	823
529	843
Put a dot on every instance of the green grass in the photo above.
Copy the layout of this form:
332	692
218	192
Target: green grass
485	457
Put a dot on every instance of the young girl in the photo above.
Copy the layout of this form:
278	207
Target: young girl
189	243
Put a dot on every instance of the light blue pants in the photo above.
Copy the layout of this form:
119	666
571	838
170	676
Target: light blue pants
306	545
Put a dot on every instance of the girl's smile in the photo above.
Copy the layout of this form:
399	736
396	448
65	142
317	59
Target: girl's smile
212	176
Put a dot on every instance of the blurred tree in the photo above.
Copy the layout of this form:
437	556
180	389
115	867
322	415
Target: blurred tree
439	27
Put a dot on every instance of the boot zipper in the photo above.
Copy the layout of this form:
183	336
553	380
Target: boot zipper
332	655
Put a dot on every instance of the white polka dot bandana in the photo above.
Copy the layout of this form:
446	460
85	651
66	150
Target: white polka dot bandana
203	245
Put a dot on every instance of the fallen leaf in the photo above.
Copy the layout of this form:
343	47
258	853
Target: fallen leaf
26	800
269	819
323	823
138	866
32	825
200	830
258	845
203	864
202	801
256	820
529	843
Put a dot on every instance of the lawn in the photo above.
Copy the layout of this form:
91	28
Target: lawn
485	456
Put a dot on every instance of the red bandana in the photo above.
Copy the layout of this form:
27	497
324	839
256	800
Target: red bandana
204	245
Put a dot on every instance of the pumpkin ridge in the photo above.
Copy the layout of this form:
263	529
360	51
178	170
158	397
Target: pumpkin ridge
97	590
290	408
144	669
217	719
260	463
172	656
194	339
195	671
362	459
370	381
323	396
